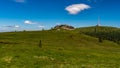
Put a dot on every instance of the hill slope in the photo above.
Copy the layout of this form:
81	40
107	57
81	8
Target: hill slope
58	49
102	32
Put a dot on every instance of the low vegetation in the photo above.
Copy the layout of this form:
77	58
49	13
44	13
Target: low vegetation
103	33
57	49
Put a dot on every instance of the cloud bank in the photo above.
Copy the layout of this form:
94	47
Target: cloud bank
76	8
29	22
10	26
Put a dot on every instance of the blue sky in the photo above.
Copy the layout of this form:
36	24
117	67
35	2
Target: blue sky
38	14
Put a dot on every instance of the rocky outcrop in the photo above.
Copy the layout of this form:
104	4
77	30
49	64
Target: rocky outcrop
66	27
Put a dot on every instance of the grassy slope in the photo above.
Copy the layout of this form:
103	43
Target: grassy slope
60	49
100	29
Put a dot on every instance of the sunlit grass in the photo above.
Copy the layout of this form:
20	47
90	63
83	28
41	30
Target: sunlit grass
60	49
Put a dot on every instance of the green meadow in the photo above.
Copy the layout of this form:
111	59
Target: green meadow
57	49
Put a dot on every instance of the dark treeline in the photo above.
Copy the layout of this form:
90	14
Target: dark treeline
103	33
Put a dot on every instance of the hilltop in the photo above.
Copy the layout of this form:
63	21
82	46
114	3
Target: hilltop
102	32
65	27
57	49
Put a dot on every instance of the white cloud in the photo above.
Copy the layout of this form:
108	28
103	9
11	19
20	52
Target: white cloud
16	26
29	22
20	1
10	26
40	26
76	8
